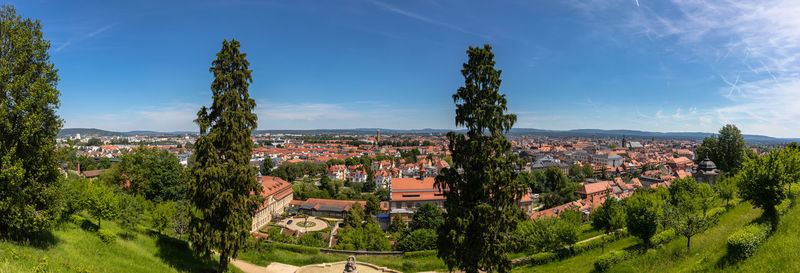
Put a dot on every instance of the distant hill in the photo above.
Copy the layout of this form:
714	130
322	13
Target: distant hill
599	133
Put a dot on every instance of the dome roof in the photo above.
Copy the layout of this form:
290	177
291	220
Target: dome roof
707	165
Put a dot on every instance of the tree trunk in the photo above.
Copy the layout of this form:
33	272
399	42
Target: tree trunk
688	244
98	222
223	261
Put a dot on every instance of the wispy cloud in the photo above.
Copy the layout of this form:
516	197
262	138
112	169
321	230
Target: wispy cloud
82	37
422	18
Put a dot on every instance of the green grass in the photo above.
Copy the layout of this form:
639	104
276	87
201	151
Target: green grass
266	256
306	225
588	232
72	248
583	262
708	249
781	250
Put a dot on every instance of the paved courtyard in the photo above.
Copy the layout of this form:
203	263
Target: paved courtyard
318	224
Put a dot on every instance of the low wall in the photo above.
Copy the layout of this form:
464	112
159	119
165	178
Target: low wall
339	266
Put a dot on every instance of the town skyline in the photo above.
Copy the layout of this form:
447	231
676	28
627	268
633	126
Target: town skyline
612	65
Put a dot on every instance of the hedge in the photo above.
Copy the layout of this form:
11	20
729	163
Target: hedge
663	237
589	245
743	243
609	259
77	219
107	235
297	248
421	253
542	258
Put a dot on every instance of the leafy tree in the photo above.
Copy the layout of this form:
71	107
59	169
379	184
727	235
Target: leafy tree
763	179
101	202
155	174
94	142
266	166
420	239
576	171
726	150
181	218
222	179
643	213
482	190
588	170
682	212
726	189
67	155
568	228
87	163
162	216
427	216
398	225
373	205
354	217
540	235
555	180
131	209
105	163
369	237
610	216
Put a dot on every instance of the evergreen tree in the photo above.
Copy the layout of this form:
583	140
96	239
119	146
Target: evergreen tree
355	217
29	184
480	187
222	180
266	166
373	205
427	216
398	225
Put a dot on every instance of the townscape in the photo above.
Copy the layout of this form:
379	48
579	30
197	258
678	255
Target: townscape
485	195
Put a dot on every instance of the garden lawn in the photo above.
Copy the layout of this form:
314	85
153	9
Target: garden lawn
267	256
781	250
708	248
71	248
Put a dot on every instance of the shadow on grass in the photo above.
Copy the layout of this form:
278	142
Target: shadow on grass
89	225
178	254
42	240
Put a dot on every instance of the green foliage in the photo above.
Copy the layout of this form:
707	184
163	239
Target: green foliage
292	171
576	171
101	202
150	172
398	225
266	166
726	189
663	237
542	258
683	214
305	190
588	170
427	216
568	228
481	201
355	217
106	235
727	150
29	198
313	239
643	213
610	216
419	239
162	216
605	261
744	242
221	181
373	205
181	218
131	210
297	248
763	179
369	237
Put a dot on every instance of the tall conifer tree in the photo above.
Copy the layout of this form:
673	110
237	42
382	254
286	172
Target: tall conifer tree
222	183
481	188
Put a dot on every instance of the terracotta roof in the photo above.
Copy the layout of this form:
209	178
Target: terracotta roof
590	188
275	187
415	189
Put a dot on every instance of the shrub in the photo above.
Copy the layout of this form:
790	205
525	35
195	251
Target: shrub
743	243
298	248
542	258
106	235
77	219
421	253
609	259
663	237
589	245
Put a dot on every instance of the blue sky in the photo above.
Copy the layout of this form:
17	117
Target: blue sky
649	65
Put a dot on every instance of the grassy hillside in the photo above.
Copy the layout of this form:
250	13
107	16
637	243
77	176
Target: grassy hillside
77	248
780	252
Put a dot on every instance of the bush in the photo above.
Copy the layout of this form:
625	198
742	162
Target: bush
298	249
663	237
609	259
589	245
77	219
743	243
106	235
421	253
542	258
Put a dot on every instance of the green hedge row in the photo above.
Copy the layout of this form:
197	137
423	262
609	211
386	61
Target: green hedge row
421	253
542	258
743	243
297	248
609	259
106	235
663	237
589	245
